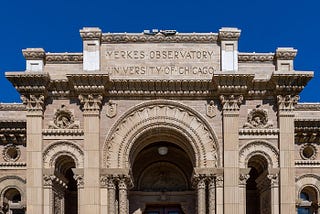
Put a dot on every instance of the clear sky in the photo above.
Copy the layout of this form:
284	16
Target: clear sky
54	26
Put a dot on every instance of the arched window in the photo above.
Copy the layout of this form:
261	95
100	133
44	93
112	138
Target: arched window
308	201
12	202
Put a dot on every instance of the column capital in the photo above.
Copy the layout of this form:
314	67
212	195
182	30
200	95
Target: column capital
91	103
231	102
219	181
33	103
199	181
243	177
287	102
274	179
80	180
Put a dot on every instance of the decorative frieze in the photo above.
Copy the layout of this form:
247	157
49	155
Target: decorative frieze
33	53
12	107
64	58
256	57
286	53
159	38
231	102
229	34
287	102
90	33
90	102
33	102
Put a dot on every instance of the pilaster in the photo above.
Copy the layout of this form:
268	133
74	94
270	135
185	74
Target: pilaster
91	104
274	184
231	105
34	171
243	177
287	152
200	183
219	193
229	48
91	48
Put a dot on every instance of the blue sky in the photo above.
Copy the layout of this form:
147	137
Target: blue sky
54	26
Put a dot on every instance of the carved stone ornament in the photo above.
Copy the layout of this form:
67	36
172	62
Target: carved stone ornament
243	179
63	119
229	33
11	153
286	103
111	109
211	109
90	102
33	102
255	57
65	58
80	180
274	179
219	181
231	103
33	53
258	119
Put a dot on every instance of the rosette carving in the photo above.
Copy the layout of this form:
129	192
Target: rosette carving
63	119
258	119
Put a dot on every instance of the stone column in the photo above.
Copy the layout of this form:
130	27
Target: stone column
242	192
274	185
104	194
231	106
201	195
212	195
287	152
219	194
81	196
34	172
47	194
91	118
123	196
111	195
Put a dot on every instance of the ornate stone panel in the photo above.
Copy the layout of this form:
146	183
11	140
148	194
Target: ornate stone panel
154	115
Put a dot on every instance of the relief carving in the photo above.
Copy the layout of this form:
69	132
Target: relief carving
63	119
90	102
258	119
111	109
211	109
33	102
231	103
286	103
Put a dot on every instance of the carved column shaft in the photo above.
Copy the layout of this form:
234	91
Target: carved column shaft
111	195
123	197
201	193
212	195
287	152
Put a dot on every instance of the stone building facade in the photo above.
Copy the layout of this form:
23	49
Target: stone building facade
160	122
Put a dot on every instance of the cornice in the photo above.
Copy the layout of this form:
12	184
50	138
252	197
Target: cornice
308	107
89	83
29	82
64	58
12	107
286	53
258	132
90	33
256	57
229	34
159	38
232	83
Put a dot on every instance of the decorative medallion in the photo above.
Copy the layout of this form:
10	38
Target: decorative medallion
308	151
11	153
63	119
258	119
111	109
211	109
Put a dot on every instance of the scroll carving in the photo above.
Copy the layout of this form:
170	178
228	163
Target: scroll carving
33	102
286	103
64	119
231	103
258	119
90	102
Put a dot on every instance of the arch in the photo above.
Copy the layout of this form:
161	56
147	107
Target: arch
13	182
59	148
256	148
150	115
308	180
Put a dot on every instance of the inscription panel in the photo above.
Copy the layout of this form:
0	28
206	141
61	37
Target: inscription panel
164	60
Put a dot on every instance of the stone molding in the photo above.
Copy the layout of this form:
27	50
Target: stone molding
307	107
5	165
229	33
159	38
64	58
286	53
59	148
256	57
33	102
231	102
307	163
33	53
259	147
310	180
12	107
155	114
287	102
13	132
13	181
90	33
269	133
